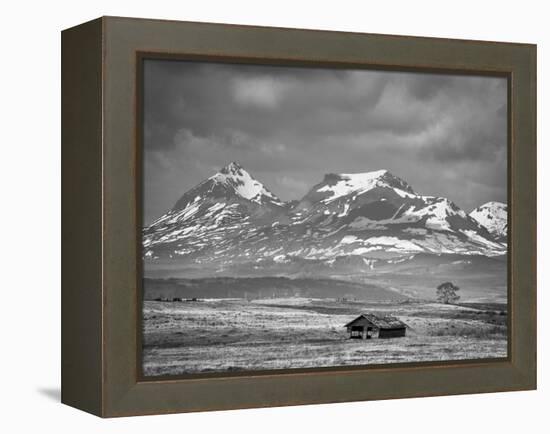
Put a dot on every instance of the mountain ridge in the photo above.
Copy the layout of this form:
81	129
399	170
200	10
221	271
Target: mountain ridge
231	220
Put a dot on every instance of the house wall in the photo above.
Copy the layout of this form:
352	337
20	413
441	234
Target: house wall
391	333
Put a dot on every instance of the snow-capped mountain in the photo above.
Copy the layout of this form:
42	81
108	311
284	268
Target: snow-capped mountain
377	211
217	209
232	182
231	220
494	217
335	186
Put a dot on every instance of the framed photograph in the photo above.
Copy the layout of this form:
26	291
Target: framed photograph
262	217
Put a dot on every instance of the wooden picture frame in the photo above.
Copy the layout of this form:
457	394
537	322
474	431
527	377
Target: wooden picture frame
101	226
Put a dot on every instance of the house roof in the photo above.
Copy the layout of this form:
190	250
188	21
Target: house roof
386	322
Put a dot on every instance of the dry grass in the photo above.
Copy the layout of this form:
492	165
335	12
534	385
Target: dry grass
471	331
221	335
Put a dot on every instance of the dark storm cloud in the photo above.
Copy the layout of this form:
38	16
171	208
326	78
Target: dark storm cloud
209	99
444	134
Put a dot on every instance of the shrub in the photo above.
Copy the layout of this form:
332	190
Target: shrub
446	293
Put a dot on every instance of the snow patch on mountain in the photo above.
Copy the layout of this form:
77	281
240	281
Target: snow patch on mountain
494	217
377	243
344	184
352	183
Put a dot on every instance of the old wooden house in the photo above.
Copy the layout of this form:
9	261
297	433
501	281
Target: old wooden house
368	326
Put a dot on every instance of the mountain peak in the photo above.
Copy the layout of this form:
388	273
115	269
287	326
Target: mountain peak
493	205
372	174
237	179
232	168
347	176
342	184
232	182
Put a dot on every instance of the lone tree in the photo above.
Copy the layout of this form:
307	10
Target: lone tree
446	293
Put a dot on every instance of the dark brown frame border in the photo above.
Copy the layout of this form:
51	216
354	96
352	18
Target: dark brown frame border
99	237
142	56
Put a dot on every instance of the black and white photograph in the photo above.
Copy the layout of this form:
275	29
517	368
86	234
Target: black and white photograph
316	217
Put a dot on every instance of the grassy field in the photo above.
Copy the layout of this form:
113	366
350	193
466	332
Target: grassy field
234	334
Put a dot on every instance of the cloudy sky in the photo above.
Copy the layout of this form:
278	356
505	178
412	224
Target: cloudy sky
443	134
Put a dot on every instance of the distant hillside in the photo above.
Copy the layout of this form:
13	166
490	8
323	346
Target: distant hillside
265	287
